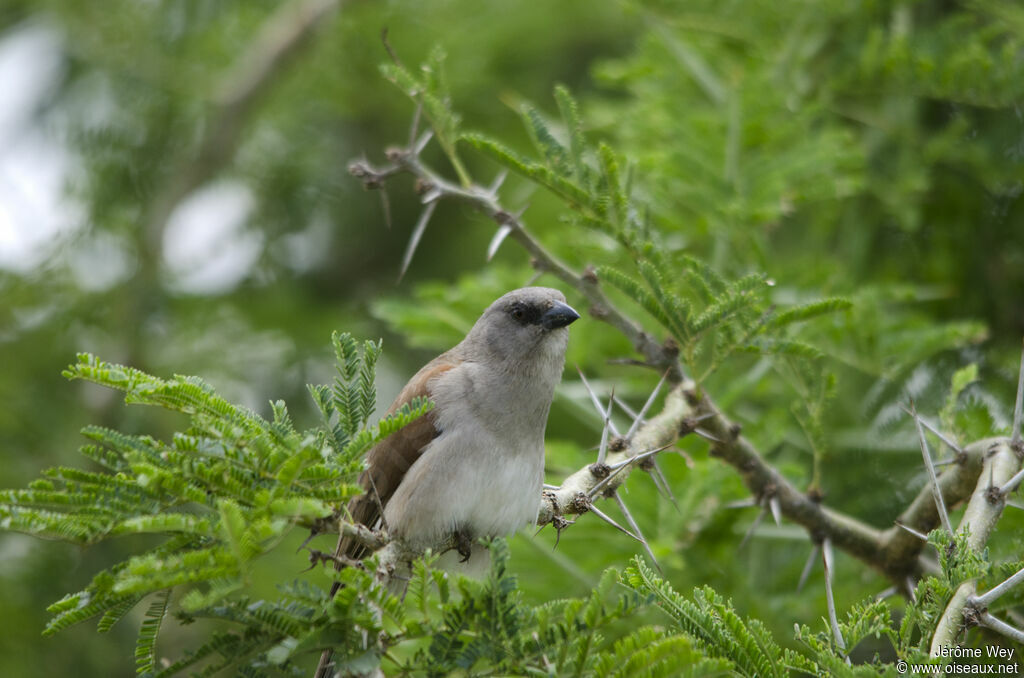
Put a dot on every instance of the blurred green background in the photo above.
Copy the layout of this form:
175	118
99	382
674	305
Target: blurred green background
873	150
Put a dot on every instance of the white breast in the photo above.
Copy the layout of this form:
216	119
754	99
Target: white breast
484	471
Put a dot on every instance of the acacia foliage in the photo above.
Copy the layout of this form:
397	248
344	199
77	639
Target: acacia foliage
867	153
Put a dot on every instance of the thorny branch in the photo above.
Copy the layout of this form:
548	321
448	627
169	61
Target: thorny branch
998	478
252	75
895	551
434	187
984	472
234	98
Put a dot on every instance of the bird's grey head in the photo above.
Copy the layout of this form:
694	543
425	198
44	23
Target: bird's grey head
525	326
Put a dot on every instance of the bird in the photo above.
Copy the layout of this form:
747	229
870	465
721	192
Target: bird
473	466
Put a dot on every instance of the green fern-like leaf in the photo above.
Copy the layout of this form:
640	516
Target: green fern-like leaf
808	311
574	126
636	291
116	614
713	624
559	185
145	646
555	155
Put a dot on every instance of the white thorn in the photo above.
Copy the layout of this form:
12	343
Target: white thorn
414	128
618	468
386	206
630	412
431	196
987	598
1001	627
938	434
638	457
1012	483
422	142
920	535
1018	407
940	503
633	524
707	436
807	568
659	477
417	233
750	530
498	181
499	237
602	450
885	593
776	508
608	519
647	405
594	399
826	550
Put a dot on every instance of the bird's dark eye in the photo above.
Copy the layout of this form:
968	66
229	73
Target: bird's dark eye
518	313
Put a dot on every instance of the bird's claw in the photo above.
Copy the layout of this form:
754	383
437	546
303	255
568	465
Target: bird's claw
463	544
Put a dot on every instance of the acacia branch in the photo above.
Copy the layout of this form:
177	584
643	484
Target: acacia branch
894	552
235	97
1002	462
435	187
998	478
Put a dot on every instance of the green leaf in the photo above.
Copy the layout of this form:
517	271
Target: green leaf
145	646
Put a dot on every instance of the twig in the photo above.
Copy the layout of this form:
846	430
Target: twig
894	551
407	161
280	37
363	535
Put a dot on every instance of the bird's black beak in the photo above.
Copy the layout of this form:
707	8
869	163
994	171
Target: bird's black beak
559	315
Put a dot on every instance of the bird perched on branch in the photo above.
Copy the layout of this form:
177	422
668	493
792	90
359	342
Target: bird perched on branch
474	465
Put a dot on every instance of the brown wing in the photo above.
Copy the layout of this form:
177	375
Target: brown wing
389	460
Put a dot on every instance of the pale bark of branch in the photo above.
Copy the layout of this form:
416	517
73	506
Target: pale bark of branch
1002	461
